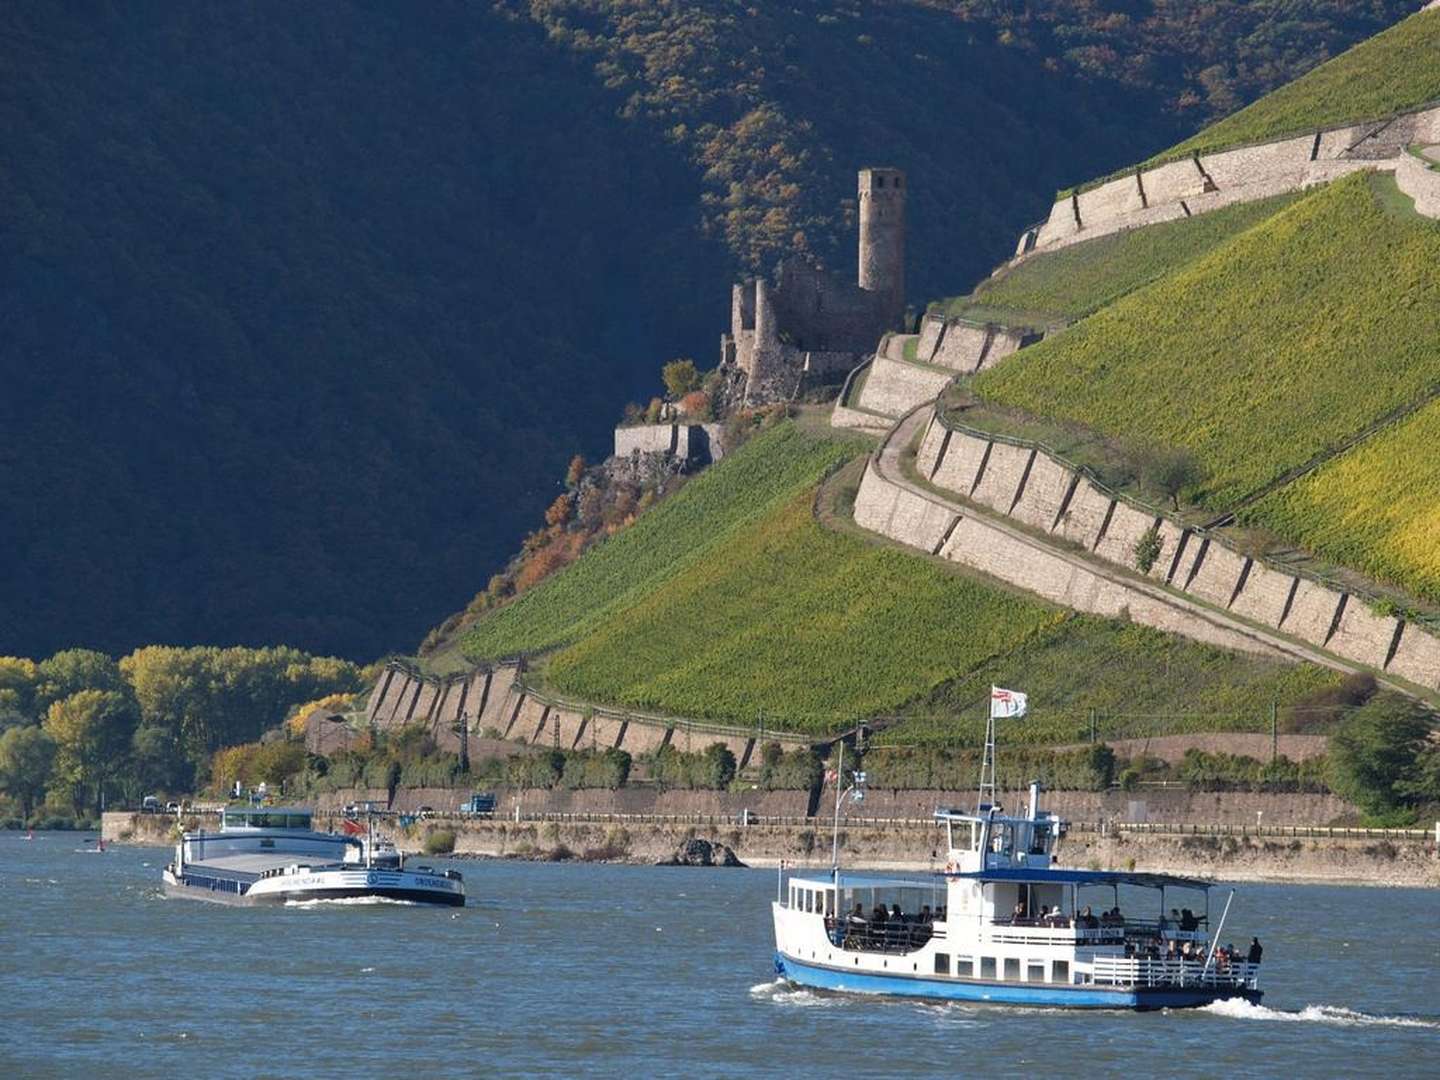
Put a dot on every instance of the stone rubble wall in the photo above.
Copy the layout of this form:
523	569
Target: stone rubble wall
699	442
1049	495
1208	182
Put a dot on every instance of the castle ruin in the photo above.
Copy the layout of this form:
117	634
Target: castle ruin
811	326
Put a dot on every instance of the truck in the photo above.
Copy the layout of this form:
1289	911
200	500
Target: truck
479	804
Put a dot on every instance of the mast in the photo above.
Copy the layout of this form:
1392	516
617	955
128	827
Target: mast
835	834
987	764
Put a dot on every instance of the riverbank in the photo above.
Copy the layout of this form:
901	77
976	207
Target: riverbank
1366	857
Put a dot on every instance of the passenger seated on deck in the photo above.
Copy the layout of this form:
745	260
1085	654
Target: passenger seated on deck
879	916
1087	920
1175	918
1018	915
1188	921
896	916
925	918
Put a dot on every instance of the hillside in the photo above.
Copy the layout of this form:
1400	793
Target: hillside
730	602
1284	341
307	308
1389	73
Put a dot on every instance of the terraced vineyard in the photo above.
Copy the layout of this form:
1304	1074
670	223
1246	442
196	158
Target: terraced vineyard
680	532
1138	681
1280	343
811	628
1375	508
1396	70
1080	279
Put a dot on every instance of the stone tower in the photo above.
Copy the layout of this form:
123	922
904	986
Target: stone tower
882	240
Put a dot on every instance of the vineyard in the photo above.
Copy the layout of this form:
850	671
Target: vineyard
1374	508
1129	681
695	523
1077	280
1279	344
1391	72
811	629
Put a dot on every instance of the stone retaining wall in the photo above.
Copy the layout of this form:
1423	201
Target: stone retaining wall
690	442
496	698
1210	181
902	515
1047	494
1421	183
894	387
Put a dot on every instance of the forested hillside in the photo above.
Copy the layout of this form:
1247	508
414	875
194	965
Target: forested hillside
306	307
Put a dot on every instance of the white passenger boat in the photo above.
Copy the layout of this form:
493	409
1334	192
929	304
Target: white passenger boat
1003	923
273	856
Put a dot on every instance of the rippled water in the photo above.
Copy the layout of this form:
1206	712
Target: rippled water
612	970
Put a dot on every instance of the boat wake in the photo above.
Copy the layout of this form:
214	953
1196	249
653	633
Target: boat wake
1240	1009
350	901
783	993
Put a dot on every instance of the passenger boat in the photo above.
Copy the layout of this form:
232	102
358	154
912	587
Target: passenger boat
1004	923
273	856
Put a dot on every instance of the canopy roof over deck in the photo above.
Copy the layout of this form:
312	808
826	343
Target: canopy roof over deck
1084	877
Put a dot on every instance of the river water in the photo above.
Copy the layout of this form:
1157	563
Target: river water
634	971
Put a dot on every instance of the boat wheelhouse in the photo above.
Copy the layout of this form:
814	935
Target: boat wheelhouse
273	855
1003	923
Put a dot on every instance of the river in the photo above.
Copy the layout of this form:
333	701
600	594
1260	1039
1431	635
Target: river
628	971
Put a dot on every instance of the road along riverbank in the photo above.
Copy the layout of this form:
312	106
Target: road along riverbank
1234	853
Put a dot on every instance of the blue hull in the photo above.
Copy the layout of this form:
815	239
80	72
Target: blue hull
1046	996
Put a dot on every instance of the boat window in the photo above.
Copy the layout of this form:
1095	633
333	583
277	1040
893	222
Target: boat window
964	967
987	967
1035	971
942	964
809	902
1012	969
1060	971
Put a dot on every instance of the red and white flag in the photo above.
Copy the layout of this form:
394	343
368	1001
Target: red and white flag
351	827
1006	703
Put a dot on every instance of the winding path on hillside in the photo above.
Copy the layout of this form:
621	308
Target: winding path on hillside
1185	615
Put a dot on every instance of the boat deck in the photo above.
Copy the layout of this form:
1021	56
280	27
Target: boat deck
251	867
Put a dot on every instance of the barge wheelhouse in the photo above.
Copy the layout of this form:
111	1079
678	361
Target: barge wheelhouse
1003	923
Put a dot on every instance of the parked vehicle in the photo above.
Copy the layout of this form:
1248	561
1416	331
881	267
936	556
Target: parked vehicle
479	804
150	805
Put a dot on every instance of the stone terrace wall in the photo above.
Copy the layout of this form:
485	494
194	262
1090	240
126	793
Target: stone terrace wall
1421	183
968	347
1208	182
498	698
894	387
902	515
1052	496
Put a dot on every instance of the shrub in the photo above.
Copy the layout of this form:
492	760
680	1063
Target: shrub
1148	548
440	842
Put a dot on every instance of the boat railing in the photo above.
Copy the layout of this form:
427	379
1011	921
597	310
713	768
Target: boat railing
862	935
1147	971
1023	931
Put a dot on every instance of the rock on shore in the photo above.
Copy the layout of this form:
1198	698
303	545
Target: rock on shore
697	852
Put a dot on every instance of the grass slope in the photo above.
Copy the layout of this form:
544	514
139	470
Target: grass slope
683	530
1078	280
812	628
1278	344
1394	71
1374	508
1139	681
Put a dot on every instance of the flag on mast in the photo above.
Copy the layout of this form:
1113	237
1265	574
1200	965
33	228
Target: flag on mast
1005	704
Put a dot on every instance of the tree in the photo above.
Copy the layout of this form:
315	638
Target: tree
1170	470
680	377
17	685
716	767
73	670
27	755
575	472
92	731
1376	754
